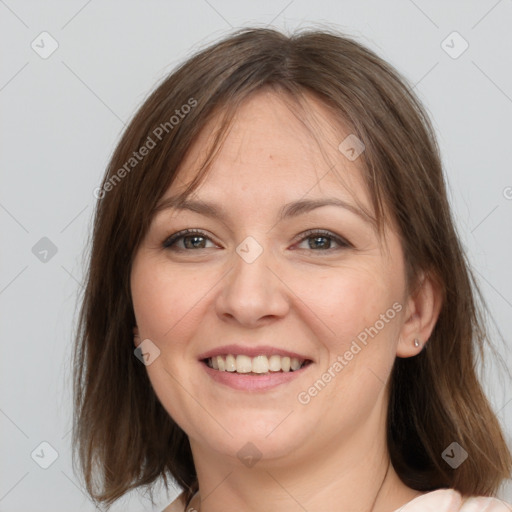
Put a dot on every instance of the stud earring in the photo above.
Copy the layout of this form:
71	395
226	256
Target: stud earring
416	342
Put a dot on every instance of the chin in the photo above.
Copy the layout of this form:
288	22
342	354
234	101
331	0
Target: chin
259	435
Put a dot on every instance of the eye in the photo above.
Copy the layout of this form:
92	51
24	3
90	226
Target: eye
322	240
192	239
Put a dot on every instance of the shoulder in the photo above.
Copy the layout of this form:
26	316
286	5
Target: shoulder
485	503
449	500
178	505
441	500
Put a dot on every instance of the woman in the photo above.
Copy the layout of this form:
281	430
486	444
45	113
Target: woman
274	244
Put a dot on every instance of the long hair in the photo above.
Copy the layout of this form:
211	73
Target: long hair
123	437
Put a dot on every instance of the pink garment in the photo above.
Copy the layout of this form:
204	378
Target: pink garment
449	500
442	500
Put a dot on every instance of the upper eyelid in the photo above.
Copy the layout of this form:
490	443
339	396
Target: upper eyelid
188	232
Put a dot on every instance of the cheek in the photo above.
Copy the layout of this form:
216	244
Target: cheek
348	301
167	306
164	298
363	316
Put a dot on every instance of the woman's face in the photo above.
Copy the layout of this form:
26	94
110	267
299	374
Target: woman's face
258	277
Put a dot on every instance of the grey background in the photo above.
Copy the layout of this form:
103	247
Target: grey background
62	116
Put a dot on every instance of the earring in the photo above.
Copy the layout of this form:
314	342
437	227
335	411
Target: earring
416	342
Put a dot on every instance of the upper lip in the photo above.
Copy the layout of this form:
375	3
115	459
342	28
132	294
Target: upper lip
251	351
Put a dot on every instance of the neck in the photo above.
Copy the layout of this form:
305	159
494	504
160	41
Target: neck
351	474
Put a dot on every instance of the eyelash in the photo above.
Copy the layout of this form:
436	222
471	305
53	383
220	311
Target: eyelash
169	243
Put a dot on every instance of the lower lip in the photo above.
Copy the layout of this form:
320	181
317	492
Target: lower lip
246	382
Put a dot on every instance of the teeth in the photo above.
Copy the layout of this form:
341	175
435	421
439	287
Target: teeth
295	363
274	363
230	364
243	364
259	364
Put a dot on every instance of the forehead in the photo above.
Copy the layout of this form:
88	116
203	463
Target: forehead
274	144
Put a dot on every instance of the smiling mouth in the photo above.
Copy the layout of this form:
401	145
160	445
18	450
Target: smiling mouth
258	365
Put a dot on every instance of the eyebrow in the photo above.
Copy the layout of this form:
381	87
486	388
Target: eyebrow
288	210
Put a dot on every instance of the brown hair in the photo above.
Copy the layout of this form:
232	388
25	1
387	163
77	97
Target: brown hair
123	436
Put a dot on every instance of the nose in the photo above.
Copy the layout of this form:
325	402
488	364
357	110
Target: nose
253	293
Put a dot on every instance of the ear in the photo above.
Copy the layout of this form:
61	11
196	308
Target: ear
136	336
421	314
